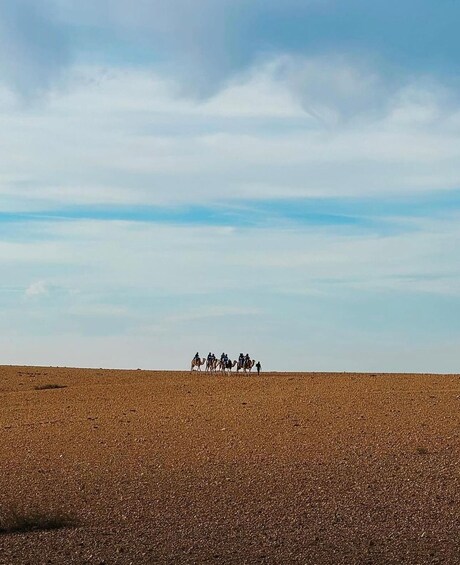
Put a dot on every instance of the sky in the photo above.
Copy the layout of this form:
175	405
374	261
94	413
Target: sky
277	177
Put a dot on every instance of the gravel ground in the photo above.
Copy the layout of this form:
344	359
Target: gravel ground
169	467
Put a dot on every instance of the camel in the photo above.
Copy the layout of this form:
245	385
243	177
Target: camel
248	366
228	366
197	363
245	365
211	365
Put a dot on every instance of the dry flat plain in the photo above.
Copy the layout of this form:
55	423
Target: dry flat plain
168	467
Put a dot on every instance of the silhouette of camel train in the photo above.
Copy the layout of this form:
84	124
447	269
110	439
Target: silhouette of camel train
224	365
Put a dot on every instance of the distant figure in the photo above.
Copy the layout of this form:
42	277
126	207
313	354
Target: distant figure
197	362
248	364
210	362
258	367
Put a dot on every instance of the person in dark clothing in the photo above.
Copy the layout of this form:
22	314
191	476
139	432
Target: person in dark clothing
258	367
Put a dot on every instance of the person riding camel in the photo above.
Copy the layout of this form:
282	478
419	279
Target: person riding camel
197	356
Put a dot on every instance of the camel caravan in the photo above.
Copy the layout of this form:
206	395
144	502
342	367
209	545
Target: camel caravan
224	365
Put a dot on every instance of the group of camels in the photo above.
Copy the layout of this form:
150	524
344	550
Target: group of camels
214	365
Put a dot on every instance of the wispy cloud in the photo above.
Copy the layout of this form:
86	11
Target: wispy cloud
263	290
139	145
205	44
38	288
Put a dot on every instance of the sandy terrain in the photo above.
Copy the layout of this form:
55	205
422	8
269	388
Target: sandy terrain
282	468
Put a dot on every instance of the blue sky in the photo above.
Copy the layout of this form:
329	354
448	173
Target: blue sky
281	178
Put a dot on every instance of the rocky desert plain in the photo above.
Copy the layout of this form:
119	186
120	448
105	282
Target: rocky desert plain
149	467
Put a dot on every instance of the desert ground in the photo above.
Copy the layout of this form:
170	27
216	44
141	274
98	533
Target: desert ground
167	467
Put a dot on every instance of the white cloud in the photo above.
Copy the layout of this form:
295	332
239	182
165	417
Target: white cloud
38	288
123	137
336	88
167	260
